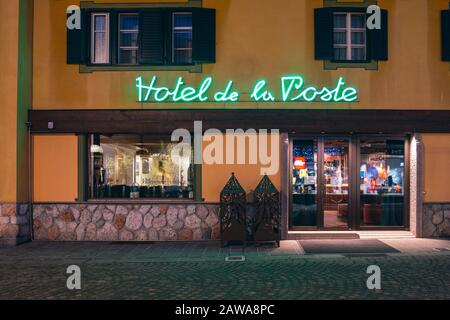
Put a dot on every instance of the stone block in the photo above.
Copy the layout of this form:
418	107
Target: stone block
121	210
134	221
91	232
141	235
144	209
192	222
86	216
155	211
167	234
186	235
202	212
126	235
119	221
9	209
9	230
152	235
212	219
66	216
80	231
160	222
107	233
4	220
47	220
53	233
107	214
172	216
148	221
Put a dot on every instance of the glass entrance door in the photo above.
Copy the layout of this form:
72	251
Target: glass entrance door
305	195
320	183
336	184
357	182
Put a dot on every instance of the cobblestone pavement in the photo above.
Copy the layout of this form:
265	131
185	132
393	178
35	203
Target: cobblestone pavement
199	271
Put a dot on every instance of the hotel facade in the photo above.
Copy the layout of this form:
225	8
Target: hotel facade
350	120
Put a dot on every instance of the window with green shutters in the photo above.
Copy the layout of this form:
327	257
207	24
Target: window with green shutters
349	36
341	35
144	37
152	36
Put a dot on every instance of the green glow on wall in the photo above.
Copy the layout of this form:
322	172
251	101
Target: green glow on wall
292	89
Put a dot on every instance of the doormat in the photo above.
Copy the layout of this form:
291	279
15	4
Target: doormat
369	246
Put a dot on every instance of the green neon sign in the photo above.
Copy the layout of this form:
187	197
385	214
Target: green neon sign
292	89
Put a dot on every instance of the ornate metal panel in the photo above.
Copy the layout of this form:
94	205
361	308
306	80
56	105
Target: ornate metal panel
268	212
233	212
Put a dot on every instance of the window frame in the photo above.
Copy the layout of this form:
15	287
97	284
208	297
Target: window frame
172	32
348	34
119	32
194	176
107	36
114	10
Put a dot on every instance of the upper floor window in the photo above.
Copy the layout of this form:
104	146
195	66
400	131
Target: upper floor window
128	38
144	37
342	38
182	38
100	38
349	36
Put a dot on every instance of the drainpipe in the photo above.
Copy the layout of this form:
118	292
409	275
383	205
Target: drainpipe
30	181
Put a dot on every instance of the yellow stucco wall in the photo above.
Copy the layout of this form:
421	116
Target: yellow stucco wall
278	40
9	28
55	163
215	176
437	167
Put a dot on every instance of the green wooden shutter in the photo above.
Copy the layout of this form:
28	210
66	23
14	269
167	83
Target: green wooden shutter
204	35
113	37
151	37
77	42
445	25
167	17
323	33
378	40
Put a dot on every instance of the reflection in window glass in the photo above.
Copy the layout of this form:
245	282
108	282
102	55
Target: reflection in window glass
100	38
382	191
349	40
137	167
336	179
304	183
128	38
182	38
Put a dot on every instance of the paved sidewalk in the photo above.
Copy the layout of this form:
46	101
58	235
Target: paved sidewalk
199	271
149	251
